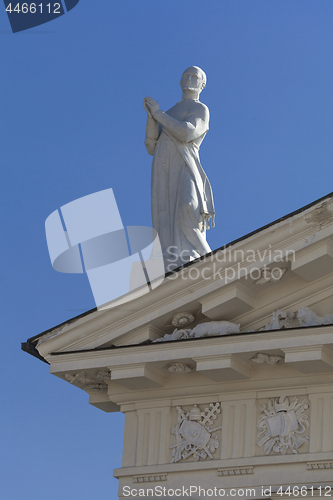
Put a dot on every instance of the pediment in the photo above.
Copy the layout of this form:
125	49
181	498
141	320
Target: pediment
287	265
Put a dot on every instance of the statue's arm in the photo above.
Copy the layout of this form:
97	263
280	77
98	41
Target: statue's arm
152	134
195	125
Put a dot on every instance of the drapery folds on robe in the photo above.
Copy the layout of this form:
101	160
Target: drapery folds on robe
182	202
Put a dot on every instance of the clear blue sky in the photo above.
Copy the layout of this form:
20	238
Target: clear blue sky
73	123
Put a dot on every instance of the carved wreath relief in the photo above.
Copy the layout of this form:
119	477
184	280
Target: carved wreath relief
282	425
194	434
97	384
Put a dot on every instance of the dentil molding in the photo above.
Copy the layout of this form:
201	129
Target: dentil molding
319	465
150	478
235	471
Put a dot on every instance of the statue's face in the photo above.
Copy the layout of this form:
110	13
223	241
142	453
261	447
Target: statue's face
192	80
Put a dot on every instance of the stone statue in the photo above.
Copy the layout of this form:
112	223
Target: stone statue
181	196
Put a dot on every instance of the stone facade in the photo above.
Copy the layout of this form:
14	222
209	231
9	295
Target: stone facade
235	408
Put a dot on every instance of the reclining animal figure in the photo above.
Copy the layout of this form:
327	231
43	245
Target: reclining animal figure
210	329
306	317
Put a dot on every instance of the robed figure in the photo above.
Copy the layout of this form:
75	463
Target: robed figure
181	196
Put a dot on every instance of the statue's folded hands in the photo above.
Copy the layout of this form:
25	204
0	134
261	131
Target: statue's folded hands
195	125
150	105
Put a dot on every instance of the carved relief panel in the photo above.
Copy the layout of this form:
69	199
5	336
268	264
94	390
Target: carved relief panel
197	433
283	426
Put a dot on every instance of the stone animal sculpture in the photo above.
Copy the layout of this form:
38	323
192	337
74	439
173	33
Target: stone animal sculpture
214	328
210	329
306	317
280	319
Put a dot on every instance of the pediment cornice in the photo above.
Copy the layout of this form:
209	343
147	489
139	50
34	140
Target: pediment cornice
211	295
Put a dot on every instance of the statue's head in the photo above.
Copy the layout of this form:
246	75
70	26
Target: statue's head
194	79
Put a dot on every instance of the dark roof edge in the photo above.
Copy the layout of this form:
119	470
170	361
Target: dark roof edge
31	349
33	340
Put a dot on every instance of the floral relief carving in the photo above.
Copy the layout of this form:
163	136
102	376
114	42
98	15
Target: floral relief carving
91	384
269	359
179	368
182	319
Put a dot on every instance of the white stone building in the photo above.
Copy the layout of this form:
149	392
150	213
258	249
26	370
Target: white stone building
241	405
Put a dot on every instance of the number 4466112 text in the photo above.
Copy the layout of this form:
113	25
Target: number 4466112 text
33	8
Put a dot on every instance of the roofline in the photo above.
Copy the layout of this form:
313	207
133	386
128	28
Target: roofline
149	343
64	323
248	235
30	345
31	349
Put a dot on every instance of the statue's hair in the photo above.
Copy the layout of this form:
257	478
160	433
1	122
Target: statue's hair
202	73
